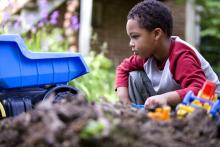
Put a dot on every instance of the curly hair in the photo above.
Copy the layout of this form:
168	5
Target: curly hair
152	14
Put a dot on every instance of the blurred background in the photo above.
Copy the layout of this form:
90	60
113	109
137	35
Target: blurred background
96	29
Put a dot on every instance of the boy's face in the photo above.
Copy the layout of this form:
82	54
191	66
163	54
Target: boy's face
141	40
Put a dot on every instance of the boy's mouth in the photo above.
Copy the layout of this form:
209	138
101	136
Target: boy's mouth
135	52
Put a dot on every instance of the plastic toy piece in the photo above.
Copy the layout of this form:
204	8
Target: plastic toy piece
27	78
160	114
27	69
191	102
138	106
215	109
2	110
183	110
190	97
197	103
207	91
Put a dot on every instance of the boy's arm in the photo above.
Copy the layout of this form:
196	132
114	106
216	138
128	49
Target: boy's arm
122	93
188	73
122	72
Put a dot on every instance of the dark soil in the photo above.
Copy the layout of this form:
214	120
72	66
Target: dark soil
74	122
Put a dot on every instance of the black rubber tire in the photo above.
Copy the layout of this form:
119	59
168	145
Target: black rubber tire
60	92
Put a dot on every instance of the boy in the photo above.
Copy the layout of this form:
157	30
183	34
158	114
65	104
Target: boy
163	68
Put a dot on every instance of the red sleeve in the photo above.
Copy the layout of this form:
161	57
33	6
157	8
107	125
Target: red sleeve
187	71
129	64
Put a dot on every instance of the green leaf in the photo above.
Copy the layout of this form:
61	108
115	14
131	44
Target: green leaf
93	129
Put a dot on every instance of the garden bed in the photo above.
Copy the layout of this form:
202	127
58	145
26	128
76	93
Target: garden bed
75	122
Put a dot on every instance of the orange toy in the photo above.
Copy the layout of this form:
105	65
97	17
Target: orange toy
160	114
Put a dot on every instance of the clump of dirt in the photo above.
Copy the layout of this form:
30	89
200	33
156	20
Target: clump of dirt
76	122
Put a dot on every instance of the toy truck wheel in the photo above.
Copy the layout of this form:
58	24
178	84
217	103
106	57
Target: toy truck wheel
60	92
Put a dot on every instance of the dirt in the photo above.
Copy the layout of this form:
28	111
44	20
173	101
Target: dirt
74	122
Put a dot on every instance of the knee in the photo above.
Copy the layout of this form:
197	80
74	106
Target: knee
136	76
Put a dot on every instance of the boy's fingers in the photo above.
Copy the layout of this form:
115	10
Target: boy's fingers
147	103
150	104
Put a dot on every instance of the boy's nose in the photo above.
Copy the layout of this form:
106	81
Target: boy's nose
131	44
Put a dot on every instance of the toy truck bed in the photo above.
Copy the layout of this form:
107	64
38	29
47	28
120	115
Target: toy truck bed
20	67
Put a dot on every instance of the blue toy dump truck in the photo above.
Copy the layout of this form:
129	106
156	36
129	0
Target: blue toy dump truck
27	78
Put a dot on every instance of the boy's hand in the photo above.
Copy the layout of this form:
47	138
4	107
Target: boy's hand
155	101
170	98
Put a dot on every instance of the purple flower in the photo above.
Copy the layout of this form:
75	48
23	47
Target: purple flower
53	21
5	19
16	25
53	18
43	5
75	23
9	24
33	30
55	14
10	3
41	24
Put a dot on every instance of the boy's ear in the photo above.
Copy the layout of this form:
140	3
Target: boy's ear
157	33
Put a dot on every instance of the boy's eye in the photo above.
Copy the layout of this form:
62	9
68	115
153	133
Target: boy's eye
134	36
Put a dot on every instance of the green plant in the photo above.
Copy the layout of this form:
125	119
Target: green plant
210	13
93	129
46	39
210	33
100	80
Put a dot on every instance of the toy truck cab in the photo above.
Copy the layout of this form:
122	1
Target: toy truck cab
27	78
